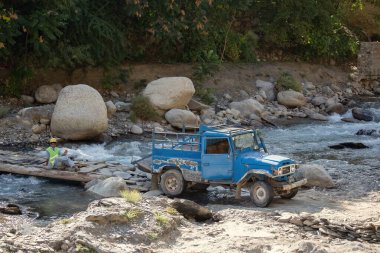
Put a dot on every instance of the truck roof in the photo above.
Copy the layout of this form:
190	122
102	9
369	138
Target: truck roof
223	130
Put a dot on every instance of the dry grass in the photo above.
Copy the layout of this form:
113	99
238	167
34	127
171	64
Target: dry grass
132	196
152	236
171	210
161	219
132	214
66	221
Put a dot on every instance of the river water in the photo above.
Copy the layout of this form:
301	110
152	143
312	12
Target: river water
306	143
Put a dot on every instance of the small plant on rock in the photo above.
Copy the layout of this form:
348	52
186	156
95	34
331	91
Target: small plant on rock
161	220
171	210
132	214
65	221
287	82
143	109
152	236
132	196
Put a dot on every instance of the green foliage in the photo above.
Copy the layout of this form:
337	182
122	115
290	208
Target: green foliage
287	82
143	109
207	64
13	85
132	196
205	94
3	111
140	85
112	77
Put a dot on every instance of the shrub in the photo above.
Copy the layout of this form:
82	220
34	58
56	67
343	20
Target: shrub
3	111
143	109
132	214
287	82
171	210
161	220
204	94
152	236
207	64
131	196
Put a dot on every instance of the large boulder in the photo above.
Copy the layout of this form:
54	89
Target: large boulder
336	108
248	107
362	114
170	92
182	118
291	98
109	187
316	175
80	113
35	115
47	94
268	89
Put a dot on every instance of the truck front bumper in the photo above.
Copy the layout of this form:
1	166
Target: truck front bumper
297	184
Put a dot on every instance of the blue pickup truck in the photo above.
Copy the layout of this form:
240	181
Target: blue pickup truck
222	155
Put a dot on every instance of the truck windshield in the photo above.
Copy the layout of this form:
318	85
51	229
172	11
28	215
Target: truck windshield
244	141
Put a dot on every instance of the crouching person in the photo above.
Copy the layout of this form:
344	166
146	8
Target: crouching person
57	156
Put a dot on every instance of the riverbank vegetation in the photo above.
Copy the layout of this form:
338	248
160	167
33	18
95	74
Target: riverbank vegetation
82	33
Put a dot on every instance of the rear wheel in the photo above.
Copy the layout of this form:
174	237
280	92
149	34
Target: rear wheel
290	195
172	183
261	193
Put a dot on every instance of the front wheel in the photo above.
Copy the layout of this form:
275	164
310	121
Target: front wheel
261	193
290	195
172	183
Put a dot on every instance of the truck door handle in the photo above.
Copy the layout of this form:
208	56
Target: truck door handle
206	164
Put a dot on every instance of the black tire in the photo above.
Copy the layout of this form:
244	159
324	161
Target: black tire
261	193
290	195
172	183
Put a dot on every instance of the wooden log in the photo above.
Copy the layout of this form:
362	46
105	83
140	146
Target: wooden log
52	173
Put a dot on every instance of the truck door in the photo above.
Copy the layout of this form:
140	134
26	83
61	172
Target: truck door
217	159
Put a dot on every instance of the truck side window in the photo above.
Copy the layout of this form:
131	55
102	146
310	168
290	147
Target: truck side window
217	146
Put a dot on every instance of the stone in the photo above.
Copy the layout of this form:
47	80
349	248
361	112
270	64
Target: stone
111	109
327	91
114	94
352	145
336	108
309	86
268	89
285	217
38	128
259	98
46	94
197	106
123	175
154	193
369	132
191	210
80	113
182	118
314	115
170	92
315	174
291	98
109	187
296	221
362	114
227	96
11	209
27	99
122	106
318	100
248	107
135	129
34	115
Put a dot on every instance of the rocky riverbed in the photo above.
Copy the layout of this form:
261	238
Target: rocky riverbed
342	215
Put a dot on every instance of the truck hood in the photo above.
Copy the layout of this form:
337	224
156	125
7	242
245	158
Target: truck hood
260	159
